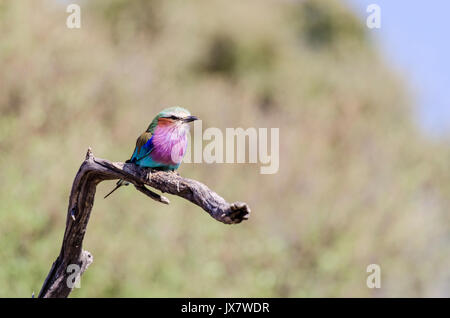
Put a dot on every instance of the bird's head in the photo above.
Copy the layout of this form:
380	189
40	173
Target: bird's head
173	116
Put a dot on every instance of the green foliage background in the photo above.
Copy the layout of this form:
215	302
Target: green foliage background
358	183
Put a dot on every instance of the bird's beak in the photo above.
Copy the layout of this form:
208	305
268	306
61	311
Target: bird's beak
189	119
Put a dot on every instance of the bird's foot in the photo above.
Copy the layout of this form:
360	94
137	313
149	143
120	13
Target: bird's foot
148	175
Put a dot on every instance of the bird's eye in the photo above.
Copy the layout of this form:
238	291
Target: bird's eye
173	117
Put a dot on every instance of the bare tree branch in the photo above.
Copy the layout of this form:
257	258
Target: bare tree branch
92	172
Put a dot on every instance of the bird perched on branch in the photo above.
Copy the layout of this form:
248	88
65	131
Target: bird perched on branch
163	145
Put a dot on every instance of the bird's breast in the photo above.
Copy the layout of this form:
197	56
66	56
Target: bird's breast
169	144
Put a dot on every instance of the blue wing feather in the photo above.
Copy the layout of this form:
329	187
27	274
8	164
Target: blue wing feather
144	147
144	151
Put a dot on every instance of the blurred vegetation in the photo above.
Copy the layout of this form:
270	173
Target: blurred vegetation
358	183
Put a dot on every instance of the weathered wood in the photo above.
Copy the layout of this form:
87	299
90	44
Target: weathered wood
92	172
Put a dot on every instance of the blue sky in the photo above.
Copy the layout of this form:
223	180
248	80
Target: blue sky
415	38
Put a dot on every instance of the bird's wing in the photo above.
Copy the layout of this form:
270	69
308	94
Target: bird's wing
144	147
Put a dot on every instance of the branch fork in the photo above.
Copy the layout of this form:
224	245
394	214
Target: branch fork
95	170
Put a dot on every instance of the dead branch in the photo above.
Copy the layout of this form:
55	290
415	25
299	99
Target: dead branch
92	172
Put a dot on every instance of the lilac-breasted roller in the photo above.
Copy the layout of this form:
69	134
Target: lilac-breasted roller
163	145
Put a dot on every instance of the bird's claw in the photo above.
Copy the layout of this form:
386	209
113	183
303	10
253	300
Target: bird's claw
148	175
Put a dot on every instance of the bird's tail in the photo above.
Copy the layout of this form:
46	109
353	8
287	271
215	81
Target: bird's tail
118	185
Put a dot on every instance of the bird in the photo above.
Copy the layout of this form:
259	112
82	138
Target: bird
163	145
